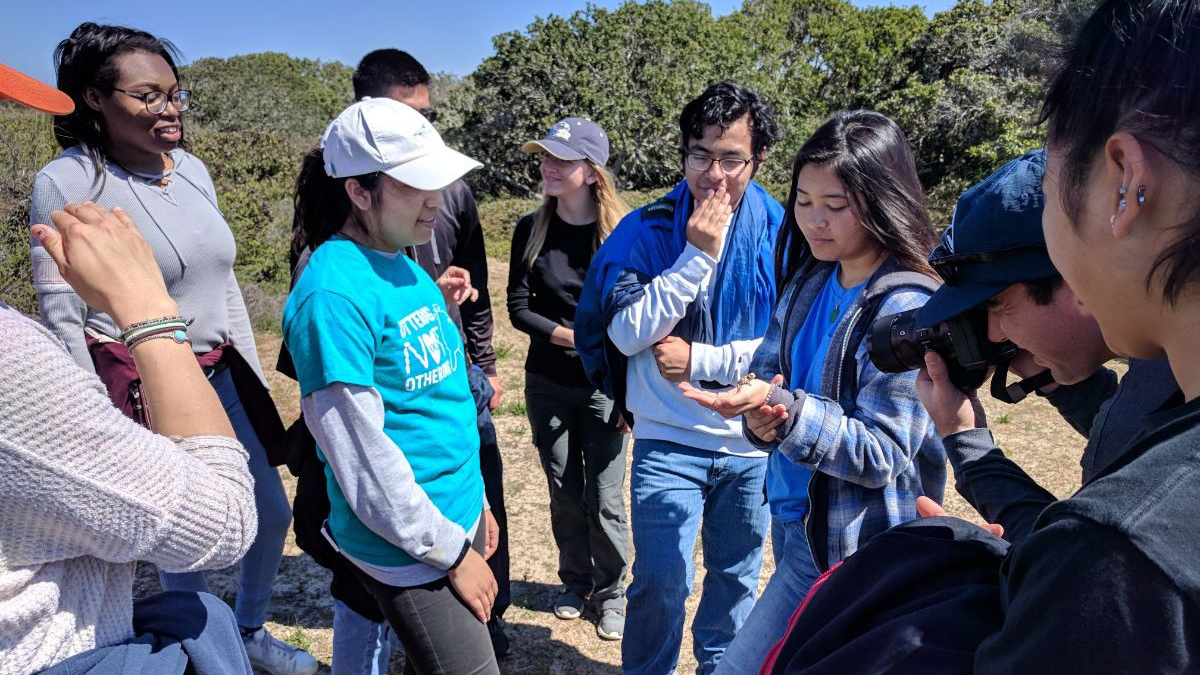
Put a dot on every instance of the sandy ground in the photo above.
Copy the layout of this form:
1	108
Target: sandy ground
1031	433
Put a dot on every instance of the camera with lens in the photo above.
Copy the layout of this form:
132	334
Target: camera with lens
898	343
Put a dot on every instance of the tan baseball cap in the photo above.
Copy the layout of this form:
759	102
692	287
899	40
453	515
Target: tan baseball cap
19	87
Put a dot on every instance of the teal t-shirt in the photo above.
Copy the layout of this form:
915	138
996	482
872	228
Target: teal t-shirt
787	483
362	317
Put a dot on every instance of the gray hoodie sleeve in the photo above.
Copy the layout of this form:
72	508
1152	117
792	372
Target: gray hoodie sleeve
993	484
376	478
61	310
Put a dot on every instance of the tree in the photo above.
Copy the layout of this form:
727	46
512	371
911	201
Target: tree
631	70
267	92
26	145
971	102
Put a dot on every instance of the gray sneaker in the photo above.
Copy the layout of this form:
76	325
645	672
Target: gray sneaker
568	605
274	656
611	625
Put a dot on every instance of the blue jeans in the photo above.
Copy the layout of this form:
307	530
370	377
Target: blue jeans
360	646
794	574
674	488
176	633
261	563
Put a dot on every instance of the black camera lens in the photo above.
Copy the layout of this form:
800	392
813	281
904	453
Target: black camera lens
892	343
897	343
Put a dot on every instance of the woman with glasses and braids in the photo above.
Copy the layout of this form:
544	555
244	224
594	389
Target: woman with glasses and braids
852	446
123	147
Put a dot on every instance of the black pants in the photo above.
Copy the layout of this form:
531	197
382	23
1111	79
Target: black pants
440	635
583	455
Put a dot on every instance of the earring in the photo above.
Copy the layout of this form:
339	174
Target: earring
1141	195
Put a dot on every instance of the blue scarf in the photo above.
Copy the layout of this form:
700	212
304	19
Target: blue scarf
650	240
743	289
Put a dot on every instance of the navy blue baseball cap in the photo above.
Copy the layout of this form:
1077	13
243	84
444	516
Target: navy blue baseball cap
994	240
573	138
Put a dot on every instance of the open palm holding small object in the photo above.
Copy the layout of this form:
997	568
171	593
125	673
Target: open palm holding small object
749	394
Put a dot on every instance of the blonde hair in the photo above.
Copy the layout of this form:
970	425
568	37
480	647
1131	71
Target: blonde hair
610	209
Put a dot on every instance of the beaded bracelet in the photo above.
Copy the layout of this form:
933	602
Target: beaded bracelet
135	330
130	337
179	335
149	322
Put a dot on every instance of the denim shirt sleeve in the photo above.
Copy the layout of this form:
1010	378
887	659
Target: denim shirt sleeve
879	441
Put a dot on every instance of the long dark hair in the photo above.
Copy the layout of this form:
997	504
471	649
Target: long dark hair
1134	67
88	59
321	204
871	157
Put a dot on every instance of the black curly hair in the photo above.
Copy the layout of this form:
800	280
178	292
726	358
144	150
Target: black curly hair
723	104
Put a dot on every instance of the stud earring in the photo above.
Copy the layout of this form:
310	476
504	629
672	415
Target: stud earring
1141	195
1122	203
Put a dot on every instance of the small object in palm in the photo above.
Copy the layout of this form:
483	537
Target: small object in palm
746	379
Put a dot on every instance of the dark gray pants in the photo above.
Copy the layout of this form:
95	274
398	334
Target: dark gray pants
440	635
583	455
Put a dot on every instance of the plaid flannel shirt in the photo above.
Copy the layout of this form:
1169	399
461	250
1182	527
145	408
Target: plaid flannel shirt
872	463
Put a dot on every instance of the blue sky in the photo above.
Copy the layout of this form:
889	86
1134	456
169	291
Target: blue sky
446	35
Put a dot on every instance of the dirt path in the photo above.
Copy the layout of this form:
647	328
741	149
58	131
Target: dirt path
301	613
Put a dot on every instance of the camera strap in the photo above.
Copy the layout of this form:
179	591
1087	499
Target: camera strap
1017	391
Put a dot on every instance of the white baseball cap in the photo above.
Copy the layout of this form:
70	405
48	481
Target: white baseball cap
380	134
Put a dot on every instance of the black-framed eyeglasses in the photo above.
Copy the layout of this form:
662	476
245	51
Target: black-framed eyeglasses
429	114
156	101
701	163
948	264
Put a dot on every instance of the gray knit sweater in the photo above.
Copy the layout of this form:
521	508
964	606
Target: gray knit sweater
85	492
189	236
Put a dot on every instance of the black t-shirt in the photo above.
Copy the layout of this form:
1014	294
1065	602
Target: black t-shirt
545	296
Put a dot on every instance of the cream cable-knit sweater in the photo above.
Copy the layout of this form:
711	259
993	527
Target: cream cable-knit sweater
85	492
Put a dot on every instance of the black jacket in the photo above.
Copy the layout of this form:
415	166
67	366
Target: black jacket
1107	414
1104	582
458	241
1108	581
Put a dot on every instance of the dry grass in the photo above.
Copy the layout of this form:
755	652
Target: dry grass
1031	432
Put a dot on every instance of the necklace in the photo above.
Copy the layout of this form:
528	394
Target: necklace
839	297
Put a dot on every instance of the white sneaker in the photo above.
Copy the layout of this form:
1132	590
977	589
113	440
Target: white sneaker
276	657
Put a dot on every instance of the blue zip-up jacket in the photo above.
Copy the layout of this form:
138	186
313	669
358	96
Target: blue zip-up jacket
870	442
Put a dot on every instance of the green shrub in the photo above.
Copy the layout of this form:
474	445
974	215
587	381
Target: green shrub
26	145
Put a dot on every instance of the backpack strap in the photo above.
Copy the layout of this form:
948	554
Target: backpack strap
659	209
887	284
